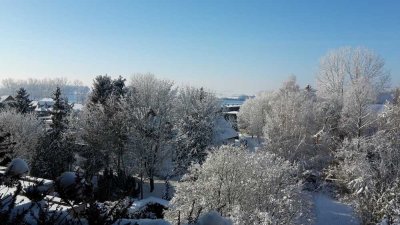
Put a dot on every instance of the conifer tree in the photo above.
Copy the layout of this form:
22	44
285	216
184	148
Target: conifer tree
102	89
61	109
55	153
23	103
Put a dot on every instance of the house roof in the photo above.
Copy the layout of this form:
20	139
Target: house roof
223	131
6	98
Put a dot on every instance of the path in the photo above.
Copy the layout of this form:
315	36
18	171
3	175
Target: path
331	212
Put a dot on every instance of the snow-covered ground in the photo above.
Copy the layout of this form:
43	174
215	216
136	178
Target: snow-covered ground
331	212
252	143
159	188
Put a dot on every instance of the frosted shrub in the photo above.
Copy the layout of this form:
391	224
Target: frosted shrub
250	188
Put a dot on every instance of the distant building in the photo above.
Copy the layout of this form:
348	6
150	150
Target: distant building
224	133
43	107
6	98
230	114
6	101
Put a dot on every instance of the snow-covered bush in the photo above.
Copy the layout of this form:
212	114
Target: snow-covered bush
17	167
370	169
250	188
148	208
25	132
72	186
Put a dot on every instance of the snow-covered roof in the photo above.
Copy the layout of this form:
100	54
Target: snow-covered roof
223	131
46	101
78	107
6	98
232	112
34	103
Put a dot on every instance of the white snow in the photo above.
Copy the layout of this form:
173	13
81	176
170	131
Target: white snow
252	143
67	179
78	107
17	167
138	205
213	218
142	222
331	212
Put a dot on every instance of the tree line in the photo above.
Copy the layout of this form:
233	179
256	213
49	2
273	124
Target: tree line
147	127
337	131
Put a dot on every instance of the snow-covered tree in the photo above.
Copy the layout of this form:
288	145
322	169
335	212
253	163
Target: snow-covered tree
149	109
195	112
103	130
250	188
23	103
351	79
104	126
292	125
369	167
24	130
252	114
340	68
357	113
43	88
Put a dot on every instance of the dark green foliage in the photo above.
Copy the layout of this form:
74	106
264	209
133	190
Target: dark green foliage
150	211
61	110
113	187
5	151
105	101
119	88
104	87
22	102
78	192
54	154
104	214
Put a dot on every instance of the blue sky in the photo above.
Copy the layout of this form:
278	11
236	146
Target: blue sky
231	47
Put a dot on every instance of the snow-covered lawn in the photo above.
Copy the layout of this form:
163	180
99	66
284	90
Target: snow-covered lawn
331	212
252	143
159	188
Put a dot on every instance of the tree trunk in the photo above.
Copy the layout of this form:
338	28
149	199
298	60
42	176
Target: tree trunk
141	186
151	183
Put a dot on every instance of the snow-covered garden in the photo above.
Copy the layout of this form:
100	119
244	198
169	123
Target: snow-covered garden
144	151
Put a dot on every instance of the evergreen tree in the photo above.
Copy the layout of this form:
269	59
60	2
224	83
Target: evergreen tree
61	109
55	152
119	88
23	103
103	128
102	88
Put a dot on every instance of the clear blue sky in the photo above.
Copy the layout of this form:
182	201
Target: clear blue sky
231	46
